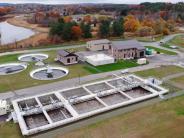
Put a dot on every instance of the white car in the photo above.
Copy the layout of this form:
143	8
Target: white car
124	71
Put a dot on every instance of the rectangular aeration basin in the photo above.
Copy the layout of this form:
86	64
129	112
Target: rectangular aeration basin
66	106
48	99
78	92
87	106
114	98
118	83
28	104
35	120
96	88
59	114
137	92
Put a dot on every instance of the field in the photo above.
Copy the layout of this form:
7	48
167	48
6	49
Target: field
178	41
160	72
167	52
179	80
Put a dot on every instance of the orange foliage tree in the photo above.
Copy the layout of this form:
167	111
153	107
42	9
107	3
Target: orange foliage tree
131	23
76	32
147	22
67	19
87	19
5	10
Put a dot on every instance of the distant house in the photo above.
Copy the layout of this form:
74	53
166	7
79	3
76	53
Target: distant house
98	45
67	58
130	49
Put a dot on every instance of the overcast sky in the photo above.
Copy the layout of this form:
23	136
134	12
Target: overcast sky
86	1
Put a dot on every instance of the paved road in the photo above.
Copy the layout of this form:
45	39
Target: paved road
41	50
164	40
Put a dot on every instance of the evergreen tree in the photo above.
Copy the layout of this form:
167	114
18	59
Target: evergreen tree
67	31
117	28
86	30
104	30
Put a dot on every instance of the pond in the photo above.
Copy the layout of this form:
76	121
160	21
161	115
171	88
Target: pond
11	33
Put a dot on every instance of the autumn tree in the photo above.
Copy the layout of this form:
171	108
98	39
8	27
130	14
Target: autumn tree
170	24
147	22
131	23
87	19
158	27
166	31
67	19
76	32
145	31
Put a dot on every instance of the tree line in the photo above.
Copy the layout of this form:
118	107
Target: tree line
67	29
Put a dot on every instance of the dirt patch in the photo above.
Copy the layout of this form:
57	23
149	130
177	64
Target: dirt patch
21	22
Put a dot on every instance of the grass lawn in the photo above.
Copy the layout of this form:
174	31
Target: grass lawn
179	80
123	64
162	50
178	41
10	130
161	120
23	80
160	72
166	45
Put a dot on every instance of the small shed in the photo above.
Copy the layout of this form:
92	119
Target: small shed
67	58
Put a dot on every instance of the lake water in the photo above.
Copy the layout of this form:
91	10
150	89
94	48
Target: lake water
11	33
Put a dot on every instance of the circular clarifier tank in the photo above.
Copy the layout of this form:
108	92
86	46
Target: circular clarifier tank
49	73
12	68
33	57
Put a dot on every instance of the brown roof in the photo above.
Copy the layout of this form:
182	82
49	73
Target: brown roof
65	53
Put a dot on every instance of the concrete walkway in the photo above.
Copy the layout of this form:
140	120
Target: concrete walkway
164	40
41	50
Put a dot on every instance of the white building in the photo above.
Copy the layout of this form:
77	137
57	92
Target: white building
99	59
98	45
